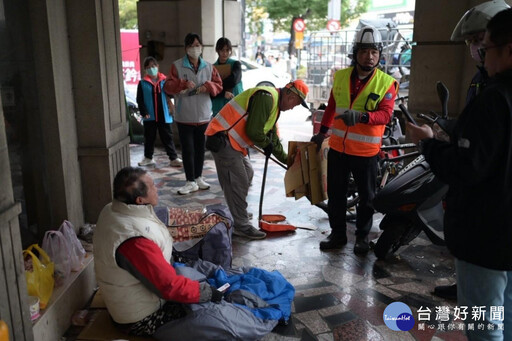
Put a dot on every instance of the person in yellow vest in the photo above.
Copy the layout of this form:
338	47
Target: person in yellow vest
248	119
360	105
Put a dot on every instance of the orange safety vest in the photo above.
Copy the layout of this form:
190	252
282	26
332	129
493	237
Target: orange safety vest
233	115
361	139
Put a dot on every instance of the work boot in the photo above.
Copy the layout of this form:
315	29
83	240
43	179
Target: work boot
362	246
448	292
333	241
250	233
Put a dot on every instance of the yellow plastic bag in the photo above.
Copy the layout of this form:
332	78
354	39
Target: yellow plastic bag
40	280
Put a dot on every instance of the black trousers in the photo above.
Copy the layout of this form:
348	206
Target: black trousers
164	129
192	149
364	170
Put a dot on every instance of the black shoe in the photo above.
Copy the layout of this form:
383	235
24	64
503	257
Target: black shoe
448	292
361	246
333	241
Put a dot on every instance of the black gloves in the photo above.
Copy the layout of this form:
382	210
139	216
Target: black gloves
216	295
351	117
268	149
318	139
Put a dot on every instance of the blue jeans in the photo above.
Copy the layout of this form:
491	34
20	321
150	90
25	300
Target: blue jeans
479	286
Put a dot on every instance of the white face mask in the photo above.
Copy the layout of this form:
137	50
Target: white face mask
194	52
473	48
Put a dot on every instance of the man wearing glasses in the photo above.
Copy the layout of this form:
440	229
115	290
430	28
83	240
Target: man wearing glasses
248	119
477	166
471	29
360	104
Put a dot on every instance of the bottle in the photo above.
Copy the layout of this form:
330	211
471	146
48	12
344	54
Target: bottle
4	331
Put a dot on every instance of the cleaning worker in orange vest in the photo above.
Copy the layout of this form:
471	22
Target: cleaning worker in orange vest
361	103
248	119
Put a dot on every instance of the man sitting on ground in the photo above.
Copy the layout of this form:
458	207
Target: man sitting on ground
132	255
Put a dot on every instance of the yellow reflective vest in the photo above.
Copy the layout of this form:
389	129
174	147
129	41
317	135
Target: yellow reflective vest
233	115
361	139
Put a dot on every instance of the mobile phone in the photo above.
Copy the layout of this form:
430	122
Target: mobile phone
224	287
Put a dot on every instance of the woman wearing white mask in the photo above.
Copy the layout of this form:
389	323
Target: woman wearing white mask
192	81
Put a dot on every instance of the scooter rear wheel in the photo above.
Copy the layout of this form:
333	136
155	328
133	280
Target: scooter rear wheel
391	239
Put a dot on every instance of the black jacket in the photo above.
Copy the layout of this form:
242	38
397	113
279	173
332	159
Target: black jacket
477	165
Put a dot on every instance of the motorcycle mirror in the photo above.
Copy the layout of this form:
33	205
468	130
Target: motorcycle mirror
444	94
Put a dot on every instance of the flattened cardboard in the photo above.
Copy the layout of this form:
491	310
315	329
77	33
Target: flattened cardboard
224	70
304	175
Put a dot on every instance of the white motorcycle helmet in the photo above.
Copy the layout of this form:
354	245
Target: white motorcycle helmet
368	37
475	20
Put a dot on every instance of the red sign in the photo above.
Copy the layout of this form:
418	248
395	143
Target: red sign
299	25
130	57
333	25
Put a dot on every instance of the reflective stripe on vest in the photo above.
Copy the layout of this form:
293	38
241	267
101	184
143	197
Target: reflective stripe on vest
232	115
360	139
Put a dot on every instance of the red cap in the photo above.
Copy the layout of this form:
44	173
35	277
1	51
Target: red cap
299	88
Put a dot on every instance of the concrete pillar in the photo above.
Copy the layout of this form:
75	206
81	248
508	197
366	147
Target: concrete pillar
436	58
101	121
163	26
54	114
14	309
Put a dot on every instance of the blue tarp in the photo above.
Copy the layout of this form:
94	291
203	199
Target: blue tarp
272	287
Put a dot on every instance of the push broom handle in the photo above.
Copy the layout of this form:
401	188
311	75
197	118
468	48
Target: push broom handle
271	158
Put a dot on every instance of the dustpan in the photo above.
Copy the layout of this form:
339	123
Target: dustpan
271	222
275	223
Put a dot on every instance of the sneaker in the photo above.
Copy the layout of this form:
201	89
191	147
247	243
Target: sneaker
146	162
189	187
250	233
177	162
201	183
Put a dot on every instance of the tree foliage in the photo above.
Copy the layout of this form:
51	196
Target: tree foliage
255	14
128	14
314	12
281	12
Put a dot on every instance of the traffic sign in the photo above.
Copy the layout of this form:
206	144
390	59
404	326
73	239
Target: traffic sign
333	25
299	25
299	39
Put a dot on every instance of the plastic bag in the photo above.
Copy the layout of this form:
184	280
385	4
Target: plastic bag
40	278
57	247
76	249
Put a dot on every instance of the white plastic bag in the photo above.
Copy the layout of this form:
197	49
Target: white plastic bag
57	248
76	249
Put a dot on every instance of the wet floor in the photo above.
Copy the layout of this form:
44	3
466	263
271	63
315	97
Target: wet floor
339	296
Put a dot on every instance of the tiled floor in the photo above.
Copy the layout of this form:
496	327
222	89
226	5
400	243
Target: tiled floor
339	296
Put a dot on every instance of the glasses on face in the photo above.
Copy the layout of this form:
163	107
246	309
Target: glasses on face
482	51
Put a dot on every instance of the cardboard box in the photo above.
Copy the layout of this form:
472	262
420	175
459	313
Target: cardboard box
322	159
305	175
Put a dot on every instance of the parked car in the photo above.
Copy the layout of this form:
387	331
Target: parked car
254	74
135	120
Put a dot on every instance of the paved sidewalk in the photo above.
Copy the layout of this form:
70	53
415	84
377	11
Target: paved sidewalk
339	296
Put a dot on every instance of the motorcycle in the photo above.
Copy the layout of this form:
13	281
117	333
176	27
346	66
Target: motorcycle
413	200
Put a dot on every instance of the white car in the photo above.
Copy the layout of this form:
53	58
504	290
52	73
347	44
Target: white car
254	74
